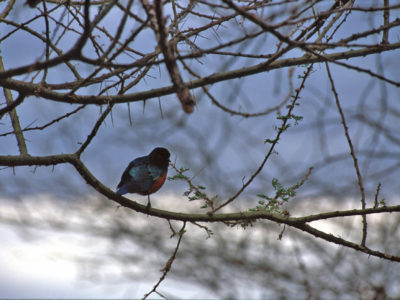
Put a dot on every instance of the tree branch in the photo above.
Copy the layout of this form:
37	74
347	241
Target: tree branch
169	263
37	90
352	153
155	14
14	116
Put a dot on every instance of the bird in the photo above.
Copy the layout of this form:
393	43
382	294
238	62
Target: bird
145	175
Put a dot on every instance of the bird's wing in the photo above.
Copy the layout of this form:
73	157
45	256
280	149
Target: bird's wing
155	172
133	165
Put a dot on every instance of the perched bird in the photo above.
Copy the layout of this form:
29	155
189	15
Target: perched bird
145	175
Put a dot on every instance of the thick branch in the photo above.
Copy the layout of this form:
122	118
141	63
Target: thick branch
34	89
182	91
296	222
73	159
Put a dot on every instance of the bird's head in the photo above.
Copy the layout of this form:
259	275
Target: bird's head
160	157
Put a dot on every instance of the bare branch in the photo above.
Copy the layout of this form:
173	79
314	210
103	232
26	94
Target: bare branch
169	263
11	105
155	15
95	129
352	153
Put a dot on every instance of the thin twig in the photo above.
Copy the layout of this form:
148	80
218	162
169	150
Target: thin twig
95	129
352	153
14	104
208	201
169	263
376	202
273	144
207	230
49	123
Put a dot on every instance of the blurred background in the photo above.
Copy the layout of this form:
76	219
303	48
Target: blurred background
60	238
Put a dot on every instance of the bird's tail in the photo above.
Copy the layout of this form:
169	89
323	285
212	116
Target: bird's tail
122	190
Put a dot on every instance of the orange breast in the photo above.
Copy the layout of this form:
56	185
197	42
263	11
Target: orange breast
158	183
